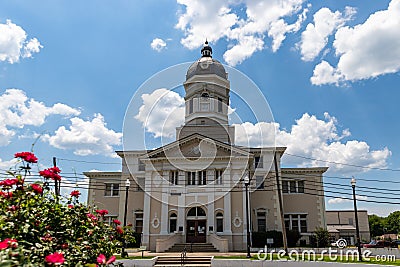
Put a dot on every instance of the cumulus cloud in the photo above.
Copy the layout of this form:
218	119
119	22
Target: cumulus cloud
158	44
217	20
14	43
366	50
161	112
339	200
86	137
315	36
313	138
17	111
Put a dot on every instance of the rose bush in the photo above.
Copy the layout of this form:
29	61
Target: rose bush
39	229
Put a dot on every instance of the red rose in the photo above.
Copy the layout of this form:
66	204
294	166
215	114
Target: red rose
116	221
101	259
70	206
37	188
55	258
9	182
26	156
102	212
6	194
52	173
119	230
75	193
8	243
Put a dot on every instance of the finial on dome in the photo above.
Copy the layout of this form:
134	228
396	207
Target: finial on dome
206	51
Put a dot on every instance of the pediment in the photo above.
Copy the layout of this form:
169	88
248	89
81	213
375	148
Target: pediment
197	146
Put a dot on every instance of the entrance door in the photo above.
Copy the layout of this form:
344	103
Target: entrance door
196	231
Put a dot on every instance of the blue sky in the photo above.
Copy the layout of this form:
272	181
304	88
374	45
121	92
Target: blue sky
328	69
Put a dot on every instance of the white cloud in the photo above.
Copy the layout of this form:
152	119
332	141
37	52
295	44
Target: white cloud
217	20
312	138
315	37
339	200
324	73
161	112
14	43
8	164
17	111
86	137
158	44
368	50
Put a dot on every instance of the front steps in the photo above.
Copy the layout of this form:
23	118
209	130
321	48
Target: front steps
188	261
193	247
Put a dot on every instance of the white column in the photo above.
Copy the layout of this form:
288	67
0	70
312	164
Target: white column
164	212
210	212
146	209
181	212
227	180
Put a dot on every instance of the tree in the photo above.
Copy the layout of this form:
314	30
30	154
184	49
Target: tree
322	237
393	223
376	225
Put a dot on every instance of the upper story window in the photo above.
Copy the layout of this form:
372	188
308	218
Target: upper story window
204	95
293	186
202	177
173	177
261	220
139	221
141	165
191	106
258	162
260	182
218	176
219	104
112	189
140	183
190	178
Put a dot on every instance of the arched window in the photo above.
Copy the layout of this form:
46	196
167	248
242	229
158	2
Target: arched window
220	221
205	95
196	212
172	222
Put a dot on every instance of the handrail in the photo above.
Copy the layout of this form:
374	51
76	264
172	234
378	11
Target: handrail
183	256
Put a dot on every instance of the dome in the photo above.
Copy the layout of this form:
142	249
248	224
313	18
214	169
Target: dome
206	65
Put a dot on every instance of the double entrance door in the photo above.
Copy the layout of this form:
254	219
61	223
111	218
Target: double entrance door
196	231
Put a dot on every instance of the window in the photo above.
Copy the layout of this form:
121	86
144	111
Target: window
300	186
218	176
285	186
296	222
191	178
260	182
293	186
258	162
202	177
204	95
172	222
196	212
350	221
173	177
140	183
220	222
108	219
139	221
219	104
141	165
191	106
111	190
262	221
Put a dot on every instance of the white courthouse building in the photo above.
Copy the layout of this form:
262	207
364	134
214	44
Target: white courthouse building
192	190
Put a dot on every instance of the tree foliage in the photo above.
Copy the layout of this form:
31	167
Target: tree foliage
39	228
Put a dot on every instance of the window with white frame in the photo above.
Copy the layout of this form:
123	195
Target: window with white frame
111	190
218	176
109	219
173	177
202	177
296	222
219	219
190	178
172	222
261	220
139	221
141	165
219	104
258	162
260	182
292	186
191	106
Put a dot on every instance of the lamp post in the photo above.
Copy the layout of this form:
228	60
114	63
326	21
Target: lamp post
246	184
353	185
127	184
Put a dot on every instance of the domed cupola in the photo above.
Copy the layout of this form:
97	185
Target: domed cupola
207	98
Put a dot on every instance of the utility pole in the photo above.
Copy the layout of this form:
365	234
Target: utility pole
57	184
280	205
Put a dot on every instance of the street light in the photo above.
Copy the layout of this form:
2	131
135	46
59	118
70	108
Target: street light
246	184
127	184
353	185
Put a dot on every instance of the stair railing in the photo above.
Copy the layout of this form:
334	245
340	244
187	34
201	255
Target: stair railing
183	256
